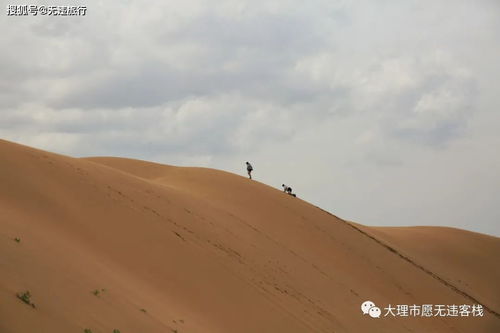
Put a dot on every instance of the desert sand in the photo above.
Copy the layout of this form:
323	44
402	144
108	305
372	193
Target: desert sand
114	243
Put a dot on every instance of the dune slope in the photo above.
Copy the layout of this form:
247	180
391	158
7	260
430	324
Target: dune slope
466	260
109	243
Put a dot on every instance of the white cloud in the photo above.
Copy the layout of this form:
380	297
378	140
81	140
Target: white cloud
383	112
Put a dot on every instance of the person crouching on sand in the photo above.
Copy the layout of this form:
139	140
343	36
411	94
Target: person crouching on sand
249	170
288	190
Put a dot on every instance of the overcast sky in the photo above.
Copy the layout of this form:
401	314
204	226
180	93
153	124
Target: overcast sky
382	112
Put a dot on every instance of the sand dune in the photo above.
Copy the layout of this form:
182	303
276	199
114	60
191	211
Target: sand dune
465	259
112	243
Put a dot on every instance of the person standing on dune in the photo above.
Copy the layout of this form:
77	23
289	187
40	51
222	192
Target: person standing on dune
249	170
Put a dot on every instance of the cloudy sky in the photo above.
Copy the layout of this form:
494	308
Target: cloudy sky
382	112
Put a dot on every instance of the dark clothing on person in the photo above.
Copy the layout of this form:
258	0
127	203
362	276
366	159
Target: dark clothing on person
249	170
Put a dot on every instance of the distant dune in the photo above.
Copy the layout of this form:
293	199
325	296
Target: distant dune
113	243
